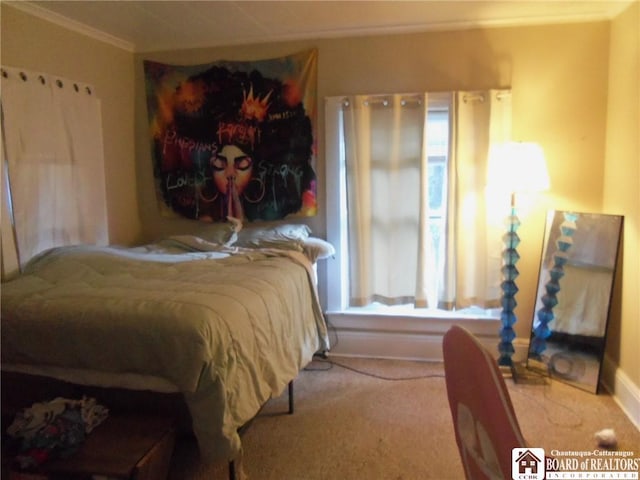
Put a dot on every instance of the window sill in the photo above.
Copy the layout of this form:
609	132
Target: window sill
424	313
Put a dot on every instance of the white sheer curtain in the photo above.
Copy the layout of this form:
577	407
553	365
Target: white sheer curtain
392	252
480	119
385	172
53	166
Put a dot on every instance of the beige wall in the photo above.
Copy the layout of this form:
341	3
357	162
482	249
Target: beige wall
558	76
558	73
622	186
34	44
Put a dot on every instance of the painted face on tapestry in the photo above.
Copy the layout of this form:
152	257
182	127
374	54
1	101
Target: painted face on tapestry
232	169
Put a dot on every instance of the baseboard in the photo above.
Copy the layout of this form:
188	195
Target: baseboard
388	345
521	346
625	393
404	346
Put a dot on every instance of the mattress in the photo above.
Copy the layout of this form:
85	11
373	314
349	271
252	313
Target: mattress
227	327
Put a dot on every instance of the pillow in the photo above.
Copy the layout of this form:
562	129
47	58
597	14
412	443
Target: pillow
288	236
221	233
317	249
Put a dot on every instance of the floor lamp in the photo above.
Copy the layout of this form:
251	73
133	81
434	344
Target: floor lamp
514	167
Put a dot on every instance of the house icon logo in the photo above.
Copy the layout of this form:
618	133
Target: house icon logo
527	464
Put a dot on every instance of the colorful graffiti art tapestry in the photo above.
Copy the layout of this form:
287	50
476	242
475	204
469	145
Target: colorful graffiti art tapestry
235	138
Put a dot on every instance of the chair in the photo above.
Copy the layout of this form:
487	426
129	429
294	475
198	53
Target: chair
484	420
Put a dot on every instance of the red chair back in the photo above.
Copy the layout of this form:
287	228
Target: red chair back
484	420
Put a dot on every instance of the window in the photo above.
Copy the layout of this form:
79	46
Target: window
438	155
396	179
406	210
53	166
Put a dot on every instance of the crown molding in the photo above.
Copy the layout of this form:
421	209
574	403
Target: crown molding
69	24
615	8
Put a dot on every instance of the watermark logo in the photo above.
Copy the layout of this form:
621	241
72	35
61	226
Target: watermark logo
534	464
527	464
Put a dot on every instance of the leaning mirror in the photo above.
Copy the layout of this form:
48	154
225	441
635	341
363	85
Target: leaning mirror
575	285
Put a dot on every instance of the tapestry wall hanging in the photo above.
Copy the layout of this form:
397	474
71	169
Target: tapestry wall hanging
235	138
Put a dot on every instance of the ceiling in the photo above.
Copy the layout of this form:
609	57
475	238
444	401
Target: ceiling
146	25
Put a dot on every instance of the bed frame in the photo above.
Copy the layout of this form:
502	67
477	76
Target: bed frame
245	427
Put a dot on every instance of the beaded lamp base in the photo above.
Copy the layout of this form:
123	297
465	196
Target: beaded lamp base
509	288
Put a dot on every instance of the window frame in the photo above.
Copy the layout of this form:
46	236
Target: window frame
356	332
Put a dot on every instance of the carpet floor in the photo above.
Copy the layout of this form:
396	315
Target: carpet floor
385	419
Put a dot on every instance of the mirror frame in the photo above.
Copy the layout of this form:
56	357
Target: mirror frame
573	350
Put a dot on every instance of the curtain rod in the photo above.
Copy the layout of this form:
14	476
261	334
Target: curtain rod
41	78
383	100
415	99
480	97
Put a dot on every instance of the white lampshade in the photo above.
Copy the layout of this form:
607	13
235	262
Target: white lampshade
517	167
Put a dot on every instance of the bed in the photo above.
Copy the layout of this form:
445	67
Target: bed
583	300
227	326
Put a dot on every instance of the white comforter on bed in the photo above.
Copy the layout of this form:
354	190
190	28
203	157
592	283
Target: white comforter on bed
228	327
